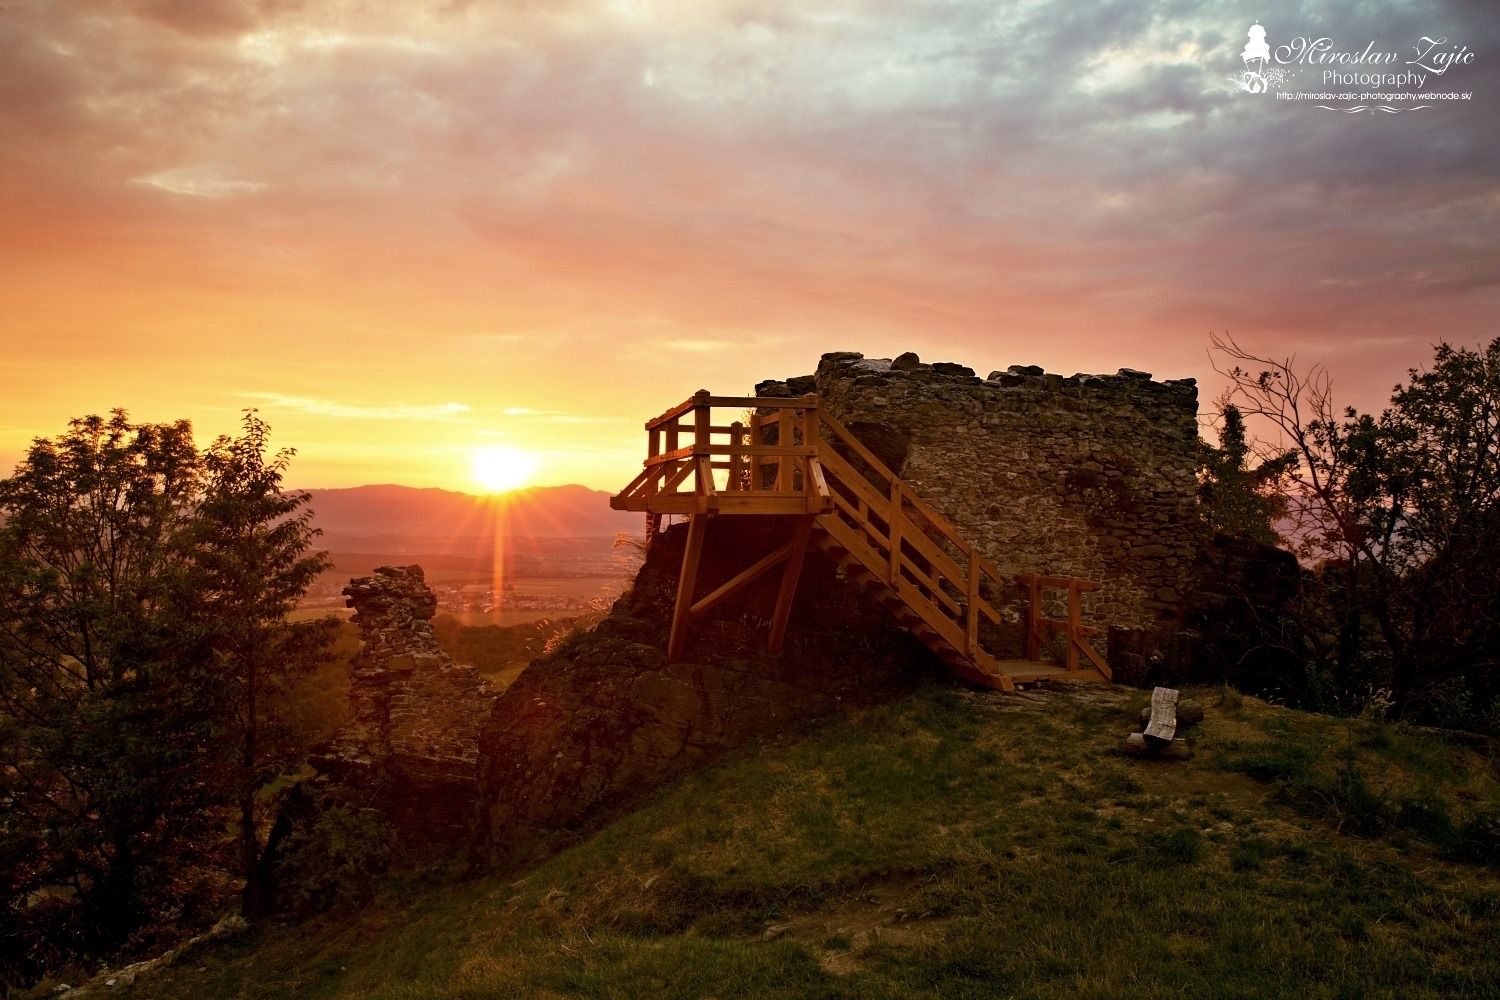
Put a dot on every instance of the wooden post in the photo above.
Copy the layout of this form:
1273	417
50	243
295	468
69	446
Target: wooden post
701	435
736	460
1033	624
1075	610
670	445
789	576
784	441
972	632
757	438
809	438
893	522
653	448
697	527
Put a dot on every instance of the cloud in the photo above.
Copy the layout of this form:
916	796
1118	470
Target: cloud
554	417
200	182
1048	177
332	408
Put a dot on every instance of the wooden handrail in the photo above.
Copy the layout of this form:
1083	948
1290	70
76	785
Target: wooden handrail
903	531
703	398
1075	633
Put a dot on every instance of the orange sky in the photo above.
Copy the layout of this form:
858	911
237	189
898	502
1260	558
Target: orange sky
407	231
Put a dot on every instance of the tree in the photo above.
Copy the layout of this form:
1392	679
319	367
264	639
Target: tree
101	746
143	593
1398	513
1442	435
1235	497
250	551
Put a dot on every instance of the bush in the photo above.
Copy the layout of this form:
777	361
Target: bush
334	861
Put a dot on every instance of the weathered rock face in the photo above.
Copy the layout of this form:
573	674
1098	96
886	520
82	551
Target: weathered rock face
412	739
591	731
1090	476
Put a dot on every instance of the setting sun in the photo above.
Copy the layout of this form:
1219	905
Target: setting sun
502	469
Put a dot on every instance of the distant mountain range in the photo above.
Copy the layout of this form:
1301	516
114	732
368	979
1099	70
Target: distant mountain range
380	516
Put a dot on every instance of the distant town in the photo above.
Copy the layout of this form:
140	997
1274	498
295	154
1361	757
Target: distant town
581	594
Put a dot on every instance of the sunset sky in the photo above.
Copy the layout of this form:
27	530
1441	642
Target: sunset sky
406	231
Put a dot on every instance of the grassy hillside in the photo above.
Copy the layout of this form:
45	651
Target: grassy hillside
960	844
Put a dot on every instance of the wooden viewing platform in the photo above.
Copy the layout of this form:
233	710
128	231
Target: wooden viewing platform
798	462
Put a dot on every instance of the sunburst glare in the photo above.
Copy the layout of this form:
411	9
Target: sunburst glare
499	470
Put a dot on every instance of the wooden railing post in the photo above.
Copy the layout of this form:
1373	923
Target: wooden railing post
736	459
893	571
785	438
653	448
1033	621
757	438
670	433
809	438
701	423
972	630
1075	619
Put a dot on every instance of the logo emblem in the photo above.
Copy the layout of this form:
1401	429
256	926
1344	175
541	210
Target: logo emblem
1257	53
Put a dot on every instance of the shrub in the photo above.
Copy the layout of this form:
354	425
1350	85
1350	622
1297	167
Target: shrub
334	861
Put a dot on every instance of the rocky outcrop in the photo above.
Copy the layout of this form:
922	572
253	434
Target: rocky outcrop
1090	475
412	740
594	729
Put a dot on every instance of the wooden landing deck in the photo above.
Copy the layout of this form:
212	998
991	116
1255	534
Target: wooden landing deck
1030	671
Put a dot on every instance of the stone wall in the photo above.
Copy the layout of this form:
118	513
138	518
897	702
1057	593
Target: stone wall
591	731
1089	476
415	715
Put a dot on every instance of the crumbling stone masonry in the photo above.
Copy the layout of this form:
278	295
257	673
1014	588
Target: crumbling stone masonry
1089	476
592	730
412	738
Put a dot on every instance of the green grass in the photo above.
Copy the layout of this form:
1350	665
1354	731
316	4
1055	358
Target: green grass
939	847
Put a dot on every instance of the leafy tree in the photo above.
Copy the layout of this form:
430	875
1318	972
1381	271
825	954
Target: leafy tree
143	654
102	741
250	550
1399	513
1235	497
1442	471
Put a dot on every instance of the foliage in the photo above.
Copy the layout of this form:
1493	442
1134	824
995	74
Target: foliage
316	705
334	860
105	736
142	589
249	549
1234	497
1400	517
499	651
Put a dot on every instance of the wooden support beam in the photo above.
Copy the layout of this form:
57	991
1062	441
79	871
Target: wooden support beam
739	580
789	576
697	528
1096	660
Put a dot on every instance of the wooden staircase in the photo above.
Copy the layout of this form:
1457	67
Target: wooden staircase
790	458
